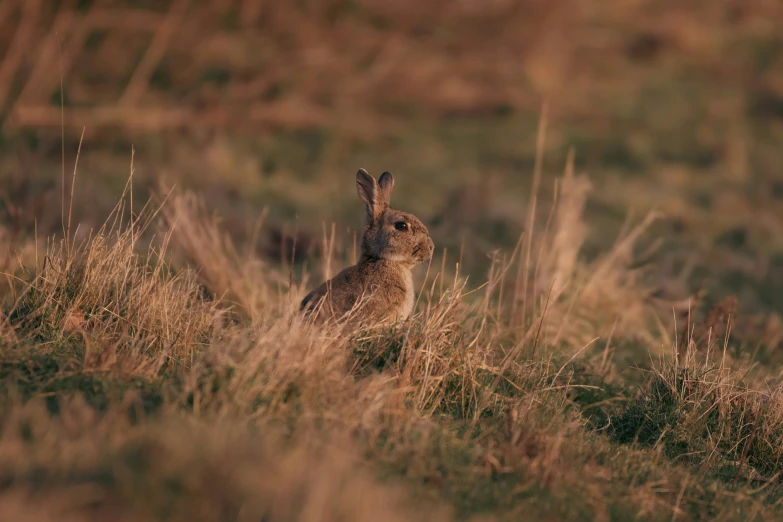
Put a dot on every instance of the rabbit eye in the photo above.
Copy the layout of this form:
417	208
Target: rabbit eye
401	226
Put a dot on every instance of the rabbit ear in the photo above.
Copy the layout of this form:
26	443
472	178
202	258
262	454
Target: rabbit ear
370	194
386	184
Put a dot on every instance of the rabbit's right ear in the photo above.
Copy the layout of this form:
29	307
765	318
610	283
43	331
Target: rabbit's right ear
386	184
370	194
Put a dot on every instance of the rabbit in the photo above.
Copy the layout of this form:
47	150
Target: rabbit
380	286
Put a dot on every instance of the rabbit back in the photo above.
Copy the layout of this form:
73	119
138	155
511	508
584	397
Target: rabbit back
376	289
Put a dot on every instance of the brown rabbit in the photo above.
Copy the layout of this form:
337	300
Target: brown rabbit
380	285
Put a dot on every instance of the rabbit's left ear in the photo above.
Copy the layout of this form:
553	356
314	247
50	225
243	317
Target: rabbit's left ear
370	194
386	184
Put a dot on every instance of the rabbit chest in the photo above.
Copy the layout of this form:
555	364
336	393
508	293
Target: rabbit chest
406	307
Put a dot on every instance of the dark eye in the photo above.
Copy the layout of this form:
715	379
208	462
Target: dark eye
401	226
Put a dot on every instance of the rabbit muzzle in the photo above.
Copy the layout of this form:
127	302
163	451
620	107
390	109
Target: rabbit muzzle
423	251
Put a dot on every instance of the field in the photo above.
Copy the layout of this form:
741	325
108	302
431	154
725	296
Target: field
598	336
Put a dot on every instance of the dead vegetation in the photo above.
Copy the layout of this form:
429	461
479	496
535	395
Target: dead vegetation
155	368
181	384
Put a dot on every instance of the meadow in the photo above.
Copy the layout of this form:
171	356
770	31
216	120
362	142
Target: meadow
597	337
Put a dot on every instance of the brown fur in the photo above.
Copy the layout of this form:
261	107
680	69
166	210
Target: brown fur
380	286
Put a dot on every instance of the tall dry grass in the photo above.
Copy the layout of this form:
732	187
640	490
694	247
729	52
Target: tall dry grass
120	304
169	376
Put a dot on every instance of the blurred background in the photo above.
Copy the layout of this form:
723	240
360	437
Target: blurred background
267	106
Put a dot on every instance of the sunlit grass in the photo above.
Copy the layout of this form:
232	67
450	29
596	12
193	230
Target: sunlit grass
160	370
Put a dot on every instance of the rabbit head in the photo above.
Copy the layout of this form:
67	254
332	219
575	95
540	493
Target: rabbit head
390	234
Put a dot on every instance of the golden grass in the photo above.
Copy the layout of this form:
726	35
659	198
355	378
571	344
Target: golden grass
158	369
182	384
118	302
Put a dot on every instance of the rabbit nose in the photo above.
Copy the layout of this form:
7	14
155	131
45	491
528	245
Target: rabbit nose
430	245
